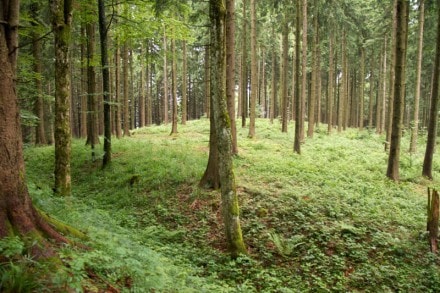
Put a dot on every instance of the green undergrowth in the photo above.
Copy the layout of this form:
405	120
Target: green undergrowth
324	221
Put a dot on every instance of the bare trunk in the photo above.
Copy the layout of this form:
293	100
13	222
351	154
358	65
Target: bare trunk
254	73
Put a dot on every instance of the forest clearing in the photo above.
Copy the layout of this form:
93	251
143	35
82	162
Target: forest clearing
326	220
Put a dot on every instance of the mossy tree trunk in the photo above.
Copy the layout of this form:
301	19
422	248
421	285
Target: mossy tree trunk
399	89
17	215
222	128
61	11
433	115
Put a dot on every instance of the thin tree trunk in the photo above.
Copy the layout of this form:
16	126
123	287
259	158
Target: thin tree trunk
244	77
165	79
330	90
361	91
370	103
105	85
117	106
273	87
254	73
174	86
303	69
92	97
415	125
184	84
315	72
298	103
284	62
230	70
125	70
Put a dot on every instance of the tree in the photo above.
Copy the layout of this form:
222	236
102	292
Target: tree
174	86
105	84
230	67
230	209
184	84
17	214
284	62
61	13
254	73
298	103
402	11
40	136
415	126
433	116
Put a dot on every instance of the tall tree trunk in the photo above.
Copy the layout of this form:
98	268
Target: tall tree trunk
298	103
315	72
165	79
342	96
184	84
330	89
207	83
126	107
433	115
392	76
371	99
361	91
174	86
244	68
92	96
142	92
402	10
40	135
284	64
105	85
61	23
254	73
302	113
117	106
415	126
230	70
230	208
273	86
83	118
17	215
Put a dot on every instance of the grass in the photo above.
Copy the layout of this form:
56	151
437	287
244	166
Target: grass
324	221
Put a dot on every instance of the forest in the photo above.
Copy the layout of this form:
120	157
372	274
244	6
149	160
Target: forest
219	146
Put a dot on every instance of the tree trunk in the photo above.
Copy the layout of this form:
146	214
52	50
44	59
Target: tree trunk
174	86
392	76
165	79
330	90
361	91
415	125
284	62
83	115
273	86
402	10
126	107
342	96
433	115
40	135
105	85
17	215
302	113
184	84
230	208
207	83
254	73
298	103
370	103
315	72
244	68
61	24
230	67
92	97
117	106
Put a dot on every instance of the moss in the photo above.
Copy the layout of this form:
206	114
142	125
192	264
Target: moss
62	227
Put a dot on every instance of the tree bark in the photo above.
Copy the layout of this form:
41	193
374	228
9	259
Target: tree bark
244	69
174	86
230	68
433	115
126	107
254	73
402	10
105	85
184	84
415	126
330	85
40	135
61	22
284	61
315	72
230	208
361	91
298	102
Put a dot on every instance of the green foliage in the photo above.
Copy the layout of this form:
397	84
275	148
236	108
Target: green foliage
327	220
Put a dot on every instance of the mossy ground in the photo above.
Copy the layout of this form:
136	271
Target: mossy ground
325	220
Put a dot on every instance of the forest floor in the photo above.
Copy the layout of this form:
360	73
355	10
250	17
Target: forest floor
327	220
